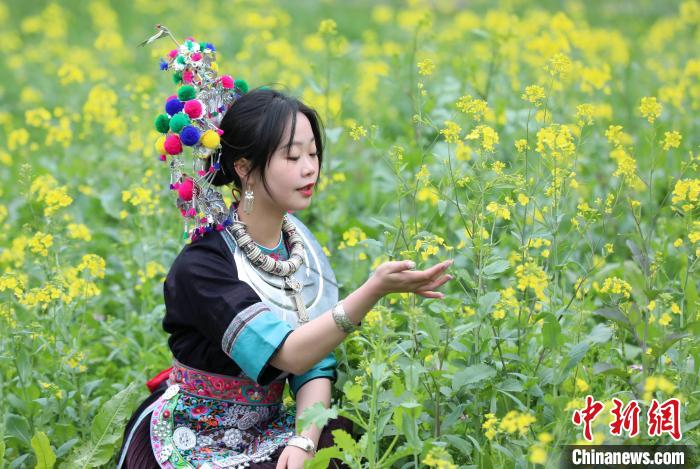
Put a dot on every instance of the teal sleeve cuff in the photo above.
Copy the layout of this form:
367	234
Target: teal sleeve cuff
323	369
256	341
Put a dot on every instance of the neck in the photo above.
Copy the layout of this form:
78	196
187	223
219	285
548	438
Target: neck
263	225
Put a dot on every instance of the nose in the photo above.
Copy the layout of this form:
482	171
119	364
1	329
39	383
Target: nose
309	166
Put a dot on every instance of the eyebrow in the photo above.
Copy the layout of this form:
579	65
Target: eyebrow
296	142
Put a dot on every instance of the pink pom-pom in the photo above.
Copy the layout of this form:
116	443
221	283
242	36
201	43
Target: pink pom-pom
191	212
219	227
220	131
196	56
201	172
163	157
185	190
172	54
193	108
170	98
202	220
211	169
227	81
172	145
183	212
187	76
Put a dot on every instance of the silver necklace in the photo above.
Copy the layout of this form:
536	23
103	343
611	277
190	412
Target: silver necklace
280	268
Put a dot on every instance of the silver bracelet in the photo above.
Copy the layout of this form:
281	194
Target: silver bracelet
303	442
341	319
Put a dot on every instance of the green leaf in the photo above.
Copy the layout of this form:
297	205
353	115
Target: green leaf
17	427
322	459
344	441
353	392
2	452
487	302
496	267
45	457
107	429
608	369
317	415
551	331
472	375
614	314
600	334
460	443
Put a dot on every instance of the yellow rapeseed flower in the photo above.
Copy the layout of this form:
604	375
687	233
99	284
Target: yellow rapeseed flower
451	131
672	140
650	108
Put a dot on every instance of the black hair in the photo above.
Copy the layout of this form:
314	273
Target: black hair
253	128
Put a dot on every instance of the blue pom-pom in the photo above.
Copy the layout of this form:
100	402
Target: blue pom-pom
216	166
210	46
174	106
163	64
189	135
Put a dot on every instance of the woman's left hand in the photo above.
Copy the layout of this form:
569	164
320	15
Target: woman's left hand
292	458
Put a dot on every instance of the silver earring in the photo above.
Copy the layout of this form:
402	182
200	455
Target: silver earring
248	199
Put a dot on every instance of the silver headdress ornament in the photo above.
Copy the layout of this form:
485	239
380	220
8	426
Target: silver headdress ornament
191	119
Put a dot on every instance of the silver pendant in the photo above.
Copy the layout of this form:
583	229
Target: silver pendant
184	438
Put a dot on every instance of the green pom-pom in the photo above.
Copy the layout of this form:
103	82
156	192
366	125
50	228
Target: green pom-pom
180	59
178	121
241	85
202	46
177	78
185	93
162	123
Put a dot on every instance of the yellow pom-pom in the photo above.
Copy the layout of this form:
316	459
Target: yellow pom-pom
160	145
210	139
214	66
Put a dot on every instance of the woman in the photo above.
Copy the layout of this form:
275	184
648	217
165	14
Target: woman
232	343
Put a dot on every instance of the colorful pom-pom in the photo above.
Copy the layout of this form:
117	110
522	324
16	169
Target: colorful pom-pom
185	190
185	93
187	76
193	108
178	121
160	145
189	135
172	54
163	158
197	56
172	145
227	82
174	106
241	85
162	123
177	78
210	139
191	212
163	64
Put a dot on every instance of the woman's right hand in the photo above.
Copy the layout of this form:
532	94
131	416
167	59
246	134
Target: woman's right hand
398	277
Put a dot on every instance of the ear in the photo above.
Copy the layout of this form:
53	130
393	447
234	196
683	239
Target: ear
242	168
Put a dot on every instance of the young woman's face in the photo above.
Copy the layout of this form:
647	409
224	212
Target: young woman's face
291	175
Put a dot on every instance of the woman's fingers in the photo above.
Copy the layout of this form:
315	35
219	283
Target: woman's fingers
431	294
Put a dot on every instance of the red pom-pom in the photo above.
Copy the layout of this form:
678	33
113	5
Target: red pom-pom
172	54
201	172
191	212
193	108
196	56
220	131
219	227
227	81
185	190
187	76
172	145
163	158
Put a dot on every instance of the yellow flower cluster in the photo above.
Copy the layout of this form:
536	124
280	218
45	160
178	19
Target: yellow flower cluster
40	243
507	302
472	106
559	66
626	164
426	67
584	114
94	264
657	383
451	131
490	426
488	136
439	458
357	131
534	94
351	237
672	140
79	231
686	192
650	108
150	270
14	282
429	245
616	286
76	362
515	421
556	141
501	211
56	199
530	275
